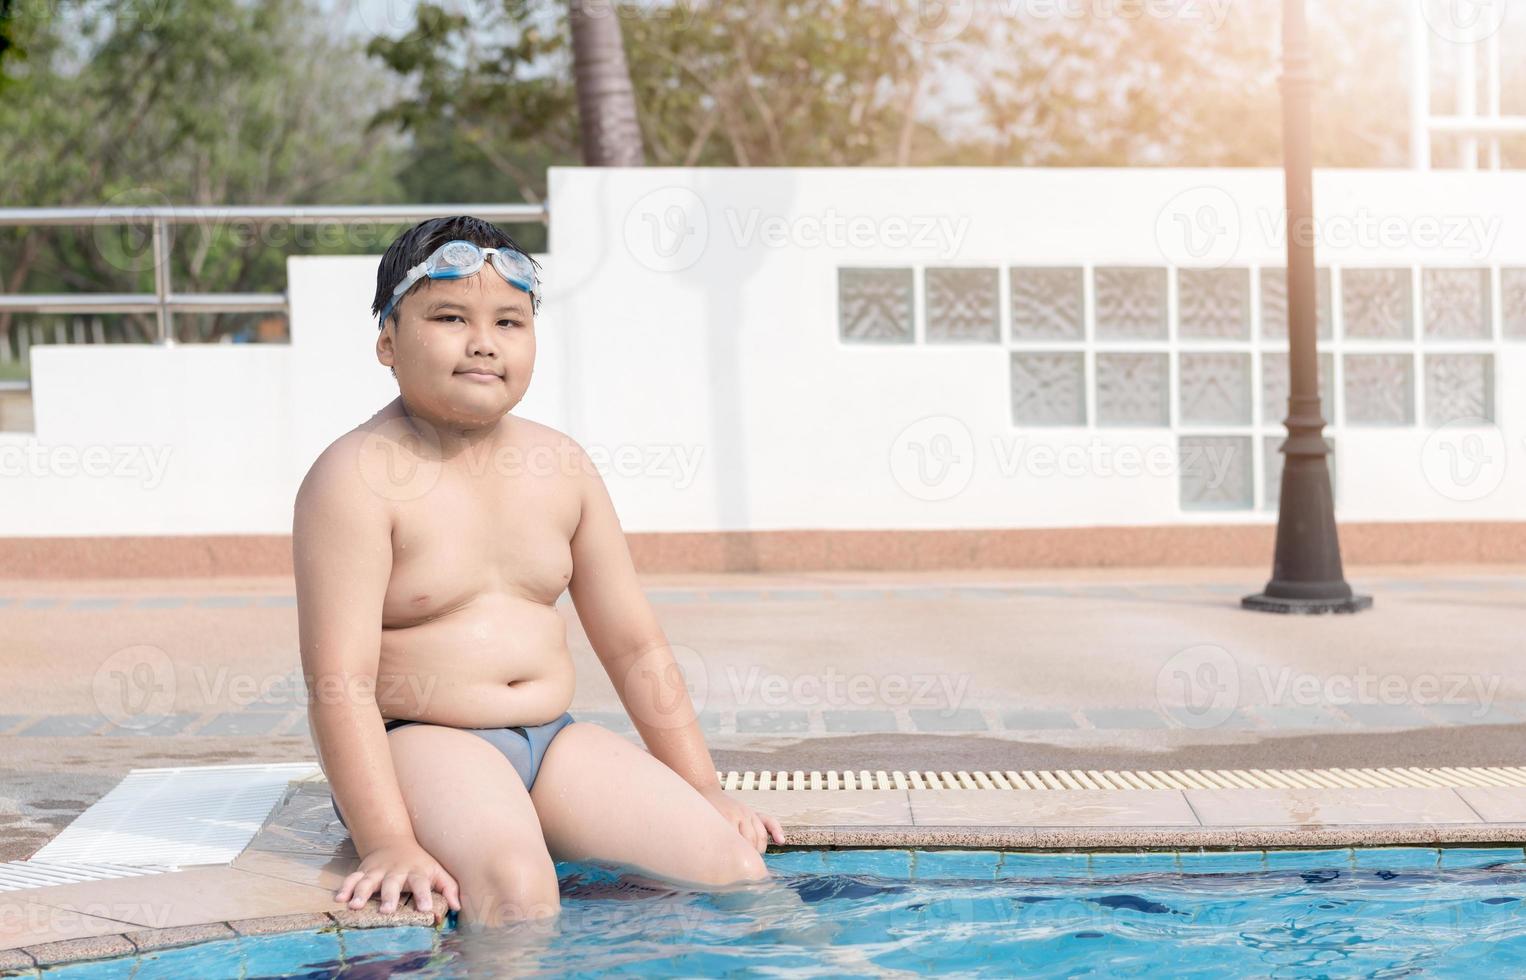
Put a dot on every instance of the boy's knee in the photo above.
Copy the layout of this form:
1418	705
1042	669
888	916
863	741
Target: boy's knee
513	888
735	861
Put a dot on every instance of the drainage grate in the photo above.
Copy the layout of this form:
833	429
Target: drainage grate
1062	779
175	816
15	875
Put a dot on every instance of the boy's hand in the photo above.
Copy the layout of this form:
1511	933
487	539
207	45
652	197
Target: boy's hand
755	827
399	866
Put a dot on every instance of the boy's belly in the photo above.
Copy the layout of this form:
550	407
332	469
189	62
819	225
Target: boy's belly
497	661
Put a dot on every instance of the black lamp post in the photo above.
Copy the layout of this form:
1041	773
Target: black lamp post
1306	573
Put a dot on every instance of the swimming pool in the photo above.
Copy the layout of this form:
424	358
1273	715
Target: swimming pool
1385	911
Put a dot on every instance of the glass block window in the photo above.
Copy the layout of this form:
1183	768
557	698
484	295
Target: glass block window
1215	388
1274	304
875	305
1214	303
1458	386
1133	389
1048	303
1216	472
1380	389
1274	464
1131	303
962	305
1277	385
1513	302
1378	304
1456	303
1048	387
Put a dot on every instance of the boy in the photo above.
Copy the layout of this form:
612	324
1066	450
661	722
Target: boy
431	544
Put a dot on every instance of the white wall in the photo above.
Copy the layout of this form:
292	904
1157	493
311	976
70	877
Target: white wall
720	344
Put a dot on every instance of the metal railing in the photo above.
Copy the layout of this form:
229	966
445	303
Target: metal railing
164	302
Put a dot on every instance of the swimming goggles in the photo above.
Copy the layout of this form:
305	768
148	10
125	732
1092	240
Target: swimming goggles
459	259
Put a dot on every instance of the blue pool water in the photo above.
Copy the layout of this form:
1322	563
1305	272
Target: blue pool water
1373	912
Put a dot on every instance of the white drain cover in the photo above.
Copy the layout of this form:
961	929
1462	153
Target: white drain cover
166	818
15	875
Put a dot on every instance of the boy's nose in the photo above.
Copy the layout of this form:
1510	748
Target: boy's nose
482	341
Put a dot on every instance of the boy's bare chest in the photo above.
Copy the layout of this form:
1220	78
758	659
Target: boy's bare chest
465	540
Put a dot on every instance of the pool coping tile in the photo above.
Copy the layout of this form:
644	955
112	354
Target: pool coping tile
838	808
151	940
1326	807
269	924
75	950
193	895
370	916
17	960
1051	808
1496	804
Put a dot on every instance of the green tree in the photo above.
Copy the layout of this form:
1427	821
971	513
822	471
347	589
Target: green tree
489	101
1185	90
213	103
767	83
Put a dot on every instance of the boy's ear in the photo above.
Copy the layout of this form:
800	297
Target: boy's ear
384	343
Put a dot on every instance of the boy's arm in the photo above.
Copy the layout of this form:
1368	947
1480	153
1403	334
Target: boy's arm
635	653
625	635
342	554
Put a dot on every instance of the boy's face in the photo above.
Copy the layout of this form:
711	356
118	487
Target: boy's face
463	349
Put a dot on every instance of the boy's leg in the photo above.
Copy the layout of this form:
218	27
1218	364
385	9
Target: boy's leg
602	798
471	812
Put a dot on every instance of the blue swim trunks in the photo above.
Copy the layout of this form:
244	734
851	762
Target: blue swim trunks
523	745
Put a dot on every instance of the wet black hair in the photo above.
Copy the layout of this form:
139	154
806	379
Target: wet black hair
414	245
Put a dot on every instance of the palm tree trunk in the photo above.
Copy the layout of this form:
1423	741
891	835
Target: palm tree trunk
606	98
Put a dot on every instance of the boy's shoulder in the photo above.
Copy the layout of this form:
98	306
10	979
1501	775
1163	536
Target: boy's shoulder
540	446
381	448
540	434
338	468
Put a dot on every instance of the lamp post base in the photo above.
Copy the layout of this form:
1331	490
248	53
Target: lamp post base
1306	607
